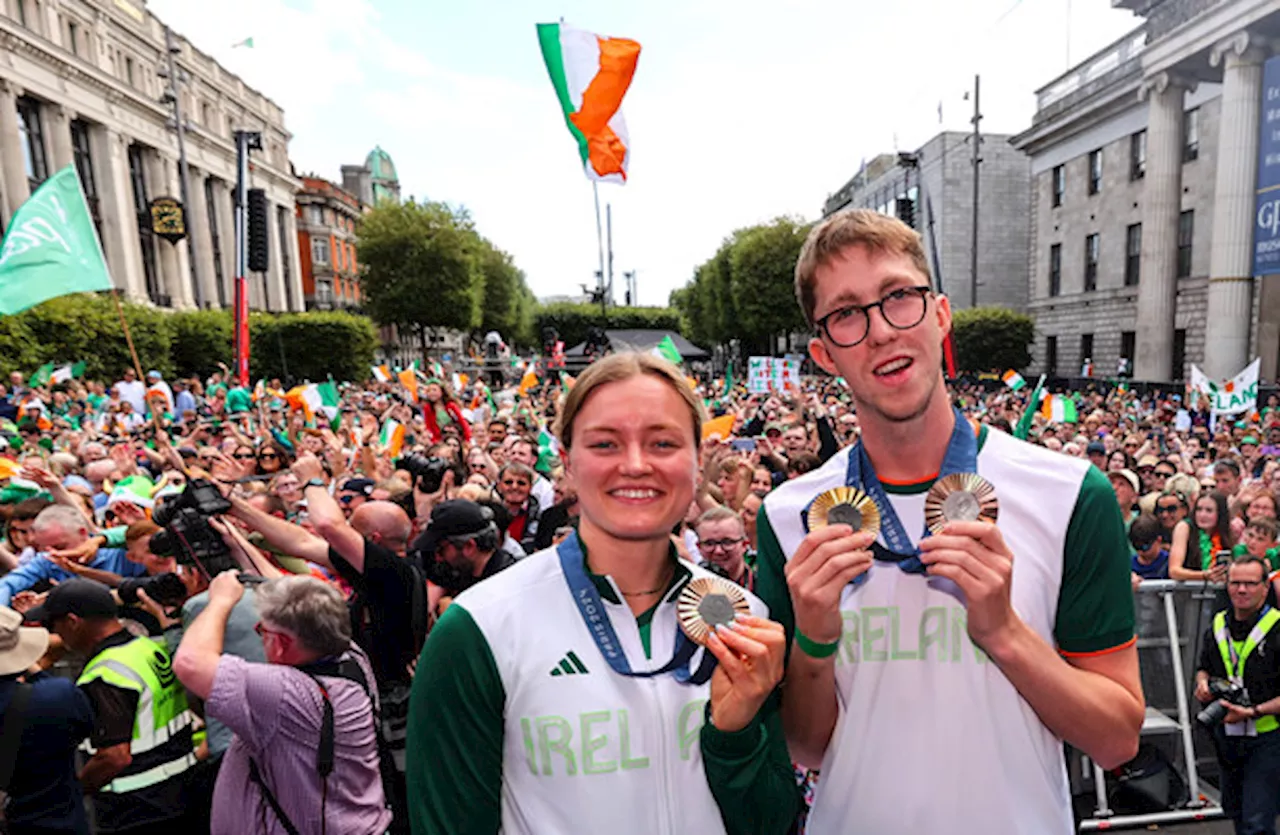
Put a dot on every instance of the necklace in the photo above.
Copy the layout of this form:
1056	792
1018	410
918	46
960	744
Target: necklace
657	590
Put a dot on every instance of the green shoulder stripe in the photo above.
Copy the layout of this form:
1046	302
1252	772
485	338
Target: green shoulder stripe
771	577
1095	602
455	732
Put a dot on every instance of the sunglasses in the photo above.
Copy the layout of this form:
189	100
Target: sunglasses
268	456
1142	546
348	498
510	482
240	457
1167	508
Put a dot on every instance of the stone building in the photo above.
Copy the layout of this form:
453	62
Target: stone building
80	83
940	176
327	221
1144	161
374	181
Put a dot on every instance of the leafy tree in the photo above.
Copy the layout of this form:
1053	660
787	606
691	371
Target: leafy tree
202	339
992	339
504	284
311	346
762	263
422	267
572	321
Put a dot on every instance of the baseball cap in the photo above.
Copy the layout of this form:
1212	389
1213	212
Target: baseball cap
153	375
1129	476
1248	439
1096	448
20	646
456	517
363	486
77	596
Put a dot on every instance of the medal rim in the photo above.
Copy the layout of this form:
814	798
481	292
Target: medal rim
822	504
982	490
691	596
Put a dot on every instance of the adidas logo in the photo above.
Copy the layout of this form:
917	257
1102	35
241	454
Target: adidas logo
570	665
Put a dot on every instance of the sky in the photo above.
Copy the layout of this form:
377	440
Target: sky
740	111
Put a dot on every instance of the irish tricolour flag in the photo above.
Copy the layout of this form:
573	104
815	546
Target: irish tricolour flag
1058	408
1013	379
591	74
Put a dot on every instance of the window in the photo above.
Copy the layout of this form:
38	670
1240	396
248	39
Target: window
73	35
1059	184
286	269
1138	155
1095	171
1128	346
1132	254
324	293
1091	247
1086	349
31	133
1179	353
315	214
20	5
128	70
1191	135
206	115
320	250
1055	269
1186	234
1051	355
215	240
84	167
138	179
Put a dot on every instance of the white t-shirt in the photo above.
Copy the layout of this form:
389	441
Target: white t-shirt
135	393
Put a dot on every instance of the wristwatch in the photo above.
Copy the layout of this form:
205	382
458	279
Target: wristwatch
315	482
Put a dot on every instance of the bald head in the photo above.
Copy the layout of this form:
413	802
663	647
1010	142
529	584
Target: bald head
385	523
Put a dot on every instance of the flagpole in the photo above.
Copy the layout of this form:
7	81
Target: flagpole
595	191
133	352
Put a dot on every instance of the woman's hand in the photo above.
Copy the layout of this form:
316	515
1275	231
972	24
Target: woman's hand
751	653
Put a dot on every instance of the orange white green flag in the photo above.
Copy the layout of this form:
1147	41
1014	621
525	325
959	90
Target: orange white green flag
591	74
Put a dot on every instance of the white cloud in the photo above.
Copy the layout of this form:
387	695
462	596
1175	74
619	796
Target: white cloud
739	112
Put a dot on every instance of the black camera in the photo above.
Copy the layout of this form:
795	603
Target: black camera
427	473
1215	711
186	533
166	589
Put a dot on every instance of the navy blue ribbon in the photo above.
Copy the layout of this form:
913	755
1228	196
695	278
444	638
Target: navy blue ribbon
587	598
961	457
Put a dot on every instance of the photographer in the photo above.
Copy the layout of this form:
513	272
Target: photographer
1240	667
462	546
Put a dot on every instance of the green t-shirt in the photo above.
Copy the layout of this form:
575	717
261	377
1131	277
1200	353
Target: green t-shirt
1272	555
239	400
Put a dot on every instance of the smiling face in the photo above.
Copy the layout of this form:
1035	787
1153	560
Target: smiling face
633	468
894	375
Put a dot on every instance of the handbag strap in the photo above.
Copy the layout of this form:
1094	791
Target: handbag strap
256	777
15	718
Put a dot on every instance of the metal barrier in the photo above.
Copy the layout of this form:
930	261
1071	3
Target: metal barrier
1171	620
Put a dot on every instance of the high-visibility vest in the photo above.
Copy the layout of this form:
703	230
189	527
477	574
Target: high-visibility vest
1256	636
162	745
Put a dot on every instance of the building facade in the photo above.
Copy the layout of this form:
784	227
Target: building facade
934	186
327	219
80	84
1144	165
375	181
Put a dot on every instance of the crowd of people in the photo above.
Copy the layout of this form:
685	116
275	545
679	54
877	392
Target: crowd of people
223	610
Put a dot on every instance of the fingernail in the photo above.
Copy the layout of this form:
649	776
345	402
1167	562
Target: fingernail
722	627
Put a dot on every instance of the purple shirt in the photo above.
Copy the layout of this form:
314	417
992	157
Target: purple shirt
275	712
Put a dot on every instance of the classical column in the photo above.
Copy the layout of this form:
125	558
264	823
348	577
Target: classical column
175	280
1226	339
199	240
1161	203
110	154
224	200
275	276
16	189
59	129
290	245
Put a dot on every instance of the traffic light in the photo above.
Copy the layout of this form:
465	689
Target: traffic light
906	211
259	254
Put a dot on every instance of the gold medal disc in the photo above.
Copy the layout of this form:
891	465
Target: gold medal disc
960	497
708	602
845	506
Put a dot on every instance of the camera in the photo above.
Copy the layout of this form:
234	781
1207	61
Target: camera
427	473
166	589
186	533
1215	711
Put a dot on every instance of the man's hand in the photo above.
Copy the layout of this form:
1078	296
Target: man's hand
25	601
306	467
1235	713
157	611
1203	696
226	588
84	553
827	560
974	556
424	503
751	654
40	476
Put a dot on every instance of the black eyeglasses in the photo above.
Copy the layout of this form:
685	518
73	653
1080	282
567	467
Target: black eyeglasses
1167	508
902	309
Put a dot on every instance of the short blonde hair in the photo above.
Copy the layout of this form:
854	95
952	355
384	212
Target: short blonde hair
623	366
879	234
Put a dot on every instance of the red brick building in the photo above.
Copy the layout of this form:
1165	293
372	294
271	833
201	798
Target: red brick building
327	220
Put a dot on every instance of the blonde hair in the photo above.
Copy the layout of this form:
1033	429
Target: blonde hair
879	234
623	366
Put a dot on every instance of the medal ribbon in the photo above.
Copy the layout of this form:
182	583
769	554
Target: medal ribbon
961	457
591	607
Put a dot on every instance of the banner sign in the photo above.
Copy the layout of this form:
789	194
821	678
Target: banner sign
771	374
168	219
1239	394
1266	211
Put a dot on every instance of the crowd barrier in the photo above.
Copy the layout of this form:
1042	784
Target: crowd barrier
1172	618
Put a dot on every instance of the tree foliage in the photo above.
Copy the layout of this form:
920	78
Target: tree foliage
992	339
572	321
311	346
744	291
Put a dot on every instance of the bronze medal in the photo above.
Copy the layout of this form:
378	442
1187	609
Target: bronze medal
708	602
845	506
960	497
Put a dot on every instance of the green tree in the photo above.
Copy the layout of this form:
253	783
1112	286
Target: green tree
762	263
202	339
504	289
992	339
422	267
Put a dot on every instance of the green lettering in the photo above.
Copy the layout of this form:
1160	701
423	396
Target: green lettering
937	615
849	638
896	653
959	623
628	762
592	744
869	635
560	744
529	756
689	734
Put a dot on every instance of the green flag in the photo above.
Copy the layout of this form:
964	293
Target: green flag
668	351
41	375
1023	429
50	248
